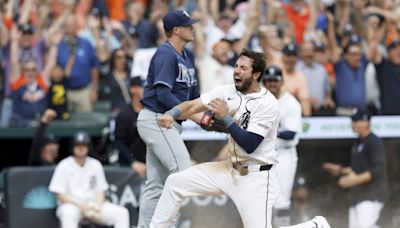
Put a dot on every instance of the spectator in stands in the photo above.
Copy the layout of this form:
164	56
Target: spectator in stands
99	33
317	79
350	77
214	68
28	48
132	149
294	81
57	95
350	71
136	23
44	149
366	176
299	14
79	183
116	80
322	57
388	74
29	85
83	80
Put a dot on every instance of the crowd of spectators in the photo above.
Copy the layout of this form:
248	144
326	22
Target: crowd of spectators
68	54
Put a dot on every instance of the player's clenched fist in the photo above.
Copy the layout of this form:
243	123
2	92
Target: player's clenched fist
219	107
166	121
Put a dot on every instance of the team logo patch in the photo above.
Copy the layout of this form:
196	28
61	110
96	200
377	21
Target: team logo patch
186	75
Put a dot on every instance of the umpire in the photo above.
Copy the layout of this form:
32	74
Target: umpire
366	178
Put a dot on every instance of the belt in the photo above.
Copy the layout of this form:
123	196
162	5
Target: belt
245	169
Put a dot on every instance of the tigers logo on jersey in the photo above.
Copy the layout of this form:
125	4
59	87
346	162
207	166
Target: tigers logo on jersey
186	75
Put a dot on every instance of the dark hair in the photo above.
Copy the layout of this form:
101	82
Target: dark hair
259	61
112	59
349	45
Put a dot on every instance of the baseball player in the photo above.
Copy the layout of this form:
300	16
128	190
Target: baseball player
248	177
366	177
80	184
171	80
289	126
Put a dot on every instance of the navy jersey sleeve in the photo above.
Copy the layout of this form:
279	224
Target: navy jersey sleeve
164	68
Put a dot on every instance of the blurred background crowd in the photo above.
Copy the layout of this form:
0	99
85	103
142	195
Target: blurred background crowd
67	55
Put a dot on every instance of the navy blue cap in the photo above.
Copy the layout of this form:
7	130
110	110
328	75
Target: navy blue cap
360	115
393	44
318	46
26	29
272	73
136	81
81	138
49	138
291	49
177	18
348	29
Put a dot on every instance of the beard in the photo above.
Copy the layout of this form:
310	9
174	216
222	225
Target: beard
244	85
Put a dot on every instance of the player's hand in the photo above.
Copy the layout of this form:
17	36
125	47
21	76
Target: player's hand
348	181
166	121
139	168
83	207
48	116
219	107
333	169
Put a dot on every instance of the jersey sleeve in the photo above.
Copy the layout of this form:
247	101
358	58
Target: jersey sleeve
164	69
291	120
58	183
218	92
262	119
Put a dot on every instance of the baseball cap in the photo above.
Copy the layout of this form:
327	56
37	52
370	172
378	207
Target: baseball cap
272	73
26	29
290	49
348	29
49	138
136	81
319	46
81	138
177	18
393	44
360	114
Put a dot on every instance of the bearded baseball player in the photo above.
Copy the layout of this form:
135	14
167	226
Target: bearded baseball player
248	177
289	127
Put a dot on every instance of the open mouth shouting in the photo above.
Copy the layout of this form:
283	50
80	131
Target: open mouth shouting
238	80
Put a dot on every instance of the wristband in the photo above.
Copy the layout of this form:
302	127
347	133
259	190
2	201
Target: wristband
228	120
174	112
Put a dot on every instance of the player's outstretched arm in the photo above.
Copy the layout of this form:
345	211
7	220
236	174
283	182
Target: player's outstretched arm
182	111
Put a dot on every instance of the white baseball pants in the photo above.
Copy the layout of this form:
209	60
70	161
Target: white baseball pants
365	214
253	194
111	214
286	171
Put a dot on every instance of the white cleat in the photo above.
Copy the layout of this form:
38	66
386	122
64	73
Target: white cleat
320	222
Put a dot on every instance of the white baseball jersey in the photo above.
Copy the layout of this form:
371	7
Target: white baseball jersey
257	113
290	119
82	183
